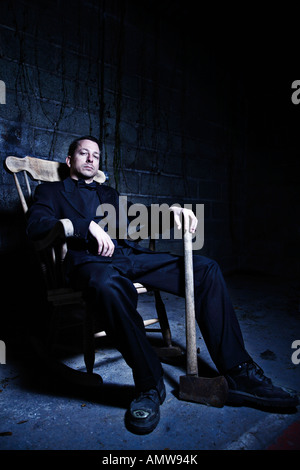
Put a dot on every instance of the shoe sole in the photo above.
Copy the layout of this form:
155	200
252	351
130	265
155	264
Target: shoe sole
141	427
238	398
162	396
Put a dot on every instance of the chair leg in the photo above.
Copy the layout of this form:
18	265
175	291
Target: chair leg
169	350
43	346
52	329
163	318
89	343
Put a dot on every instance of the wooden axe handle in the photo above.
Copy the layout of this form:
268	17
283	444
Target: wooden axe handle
191	348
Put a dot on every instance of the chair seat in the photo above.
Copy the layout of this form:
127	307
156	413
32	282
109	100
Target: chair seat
67	295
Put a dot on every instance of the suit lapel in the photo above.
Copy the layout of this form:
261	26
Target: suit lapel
72	196
105	196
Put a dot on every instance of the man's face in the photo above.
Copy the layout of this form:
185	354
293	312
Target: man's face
85	161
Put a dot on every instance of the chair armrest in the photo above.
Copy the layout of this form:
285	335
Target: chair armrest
62	229
68	227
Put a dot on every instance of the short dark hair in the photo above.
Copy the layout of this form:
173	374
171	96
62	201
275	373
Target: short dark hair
74	144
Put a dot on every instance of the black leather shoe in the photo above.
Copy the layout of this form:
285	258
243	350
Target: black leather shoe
143	414
247	383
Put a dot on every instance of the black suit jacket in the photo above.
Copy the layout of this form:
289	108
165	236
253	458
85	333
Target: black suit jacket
60	200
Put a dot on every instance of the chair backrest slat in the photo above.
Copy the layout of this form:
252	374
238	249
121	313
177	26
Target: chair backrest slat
21	194
27	183
43	170
40	170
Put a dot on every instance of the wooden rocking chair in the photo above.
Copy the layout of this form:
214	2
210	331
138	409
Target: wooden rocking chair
51	252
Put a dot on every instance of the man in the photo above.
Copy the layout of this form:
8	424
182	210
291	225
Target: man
105	269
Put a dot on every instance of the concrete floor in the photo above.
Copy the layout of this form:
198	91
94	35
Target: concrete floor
39	412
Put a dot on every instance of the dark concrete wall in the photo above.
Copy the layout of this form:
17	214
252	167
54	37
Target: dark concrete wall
185	106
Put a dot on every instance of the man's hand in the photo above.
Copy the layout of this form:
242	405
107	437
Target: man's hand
190	221
105	244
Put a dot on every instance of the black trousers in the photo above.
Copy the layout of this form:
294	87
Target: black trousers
109	291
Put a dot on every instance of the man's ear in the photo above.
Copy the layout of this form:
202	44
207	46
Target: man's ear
68	161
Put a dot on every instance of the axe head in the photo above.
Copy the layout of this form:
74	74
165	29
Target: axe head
208	391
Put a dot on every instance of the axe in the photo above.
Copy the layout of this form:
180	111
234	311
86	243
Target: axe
209	391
